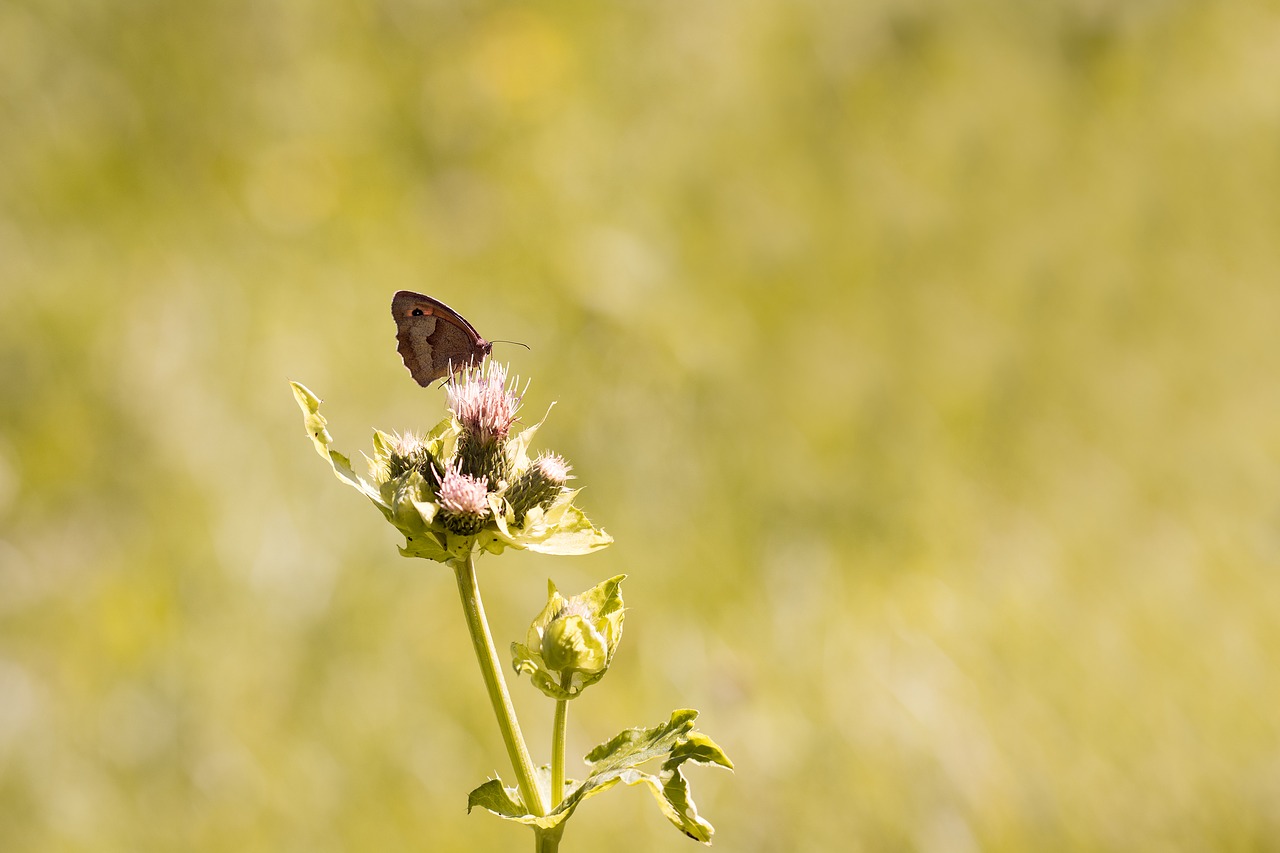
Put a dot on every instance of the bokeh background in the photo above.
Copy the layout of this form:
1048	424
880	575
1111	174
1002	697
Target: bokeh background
921	357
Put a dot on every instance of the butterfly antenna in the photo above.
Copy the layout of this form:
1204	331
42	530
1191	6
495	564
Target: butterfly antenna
517	343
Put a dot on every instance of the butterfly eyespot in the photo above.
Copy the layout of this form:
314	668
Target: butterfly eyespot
417	312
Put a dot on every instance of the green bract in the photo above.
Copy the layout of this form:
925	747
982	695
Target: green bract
571	642
411	503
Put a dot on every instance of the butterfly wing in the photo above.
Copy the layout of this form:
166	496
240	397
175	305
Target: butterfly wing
432	338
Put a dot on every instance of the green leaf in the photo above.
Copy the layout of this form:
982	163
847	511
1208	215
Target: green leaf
502	801
565	530
674	742
425	545
561	529
528	662
317	430
505	802
382	445
518	445
443	438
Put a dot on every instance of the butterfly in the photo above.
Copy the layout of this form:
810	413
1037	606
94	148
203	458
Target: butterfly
434	340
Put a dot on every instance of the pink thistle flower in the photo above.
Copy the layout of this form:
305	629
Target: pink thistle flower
462	494
464	501
553	468
483	403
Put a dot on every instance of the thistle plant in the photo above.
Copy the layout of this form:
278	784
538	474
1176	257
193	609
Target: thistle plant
467	487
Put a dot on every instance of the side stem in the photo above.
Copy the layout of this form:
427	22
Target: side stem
558	726
491	669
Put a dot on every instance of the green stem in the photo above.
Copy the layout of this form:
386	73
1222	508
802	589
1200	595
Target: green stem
547	840
482	640
558	727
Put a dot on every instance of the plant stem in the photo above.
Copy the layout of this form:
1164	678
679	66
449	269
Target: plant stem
547	840
482	640
558	727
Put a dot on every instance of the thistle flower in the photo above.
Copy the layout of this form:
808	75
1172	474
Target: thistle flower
553	468
539	486
430	487
464	502
481	400
486	407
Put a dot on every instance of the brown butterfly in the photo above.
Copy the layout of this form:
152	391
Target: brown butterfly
434	340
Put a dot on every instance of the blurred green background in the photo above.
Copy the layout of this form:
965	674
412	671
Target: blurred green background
920	356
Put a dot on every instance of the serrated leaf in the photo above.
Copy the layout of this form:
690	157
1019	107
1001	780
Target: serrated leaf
494	797
382	446
443	437
618	760
426	546
638	745
569	533
317	430
505	802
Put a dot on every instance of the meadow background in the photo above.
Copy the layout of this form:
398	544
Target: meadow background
921	357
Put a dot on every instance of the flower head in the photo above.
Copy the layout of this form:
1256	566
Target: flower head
539	486
409	452
485	408
483	403
450	490
553	468
464	501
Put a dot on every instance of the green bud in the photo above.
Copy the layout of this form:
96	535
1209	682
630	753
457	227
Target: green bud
572	641
538	487
409	453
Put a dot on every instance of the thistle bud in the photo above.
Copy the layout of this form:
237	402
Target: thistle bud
571	643
464	502
539	486
410	453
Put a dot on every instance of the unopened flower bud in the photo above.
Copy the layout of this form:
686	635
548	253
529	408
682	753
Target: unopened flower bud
571	643
539	486
410	453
